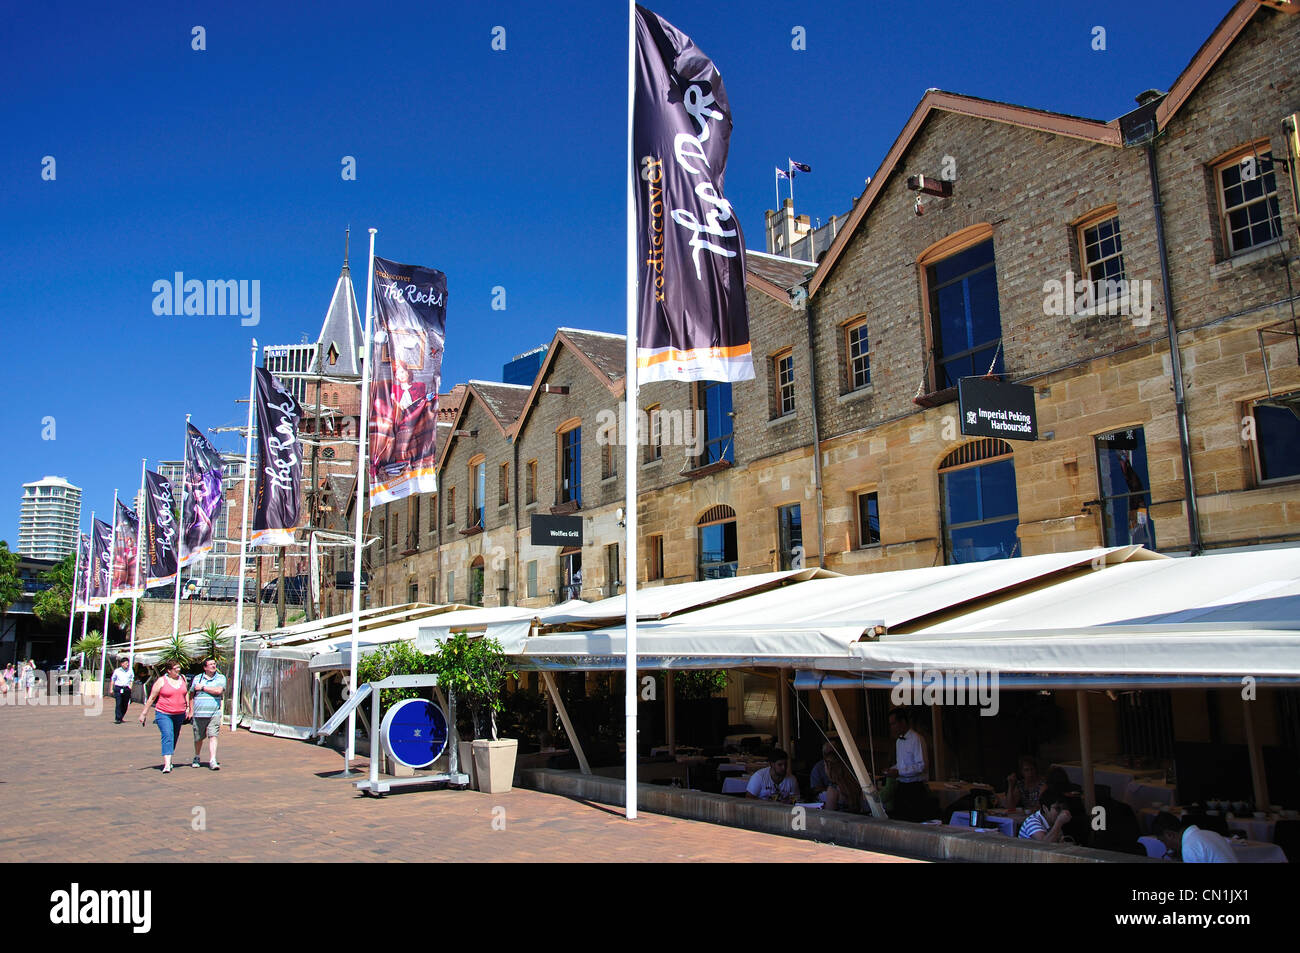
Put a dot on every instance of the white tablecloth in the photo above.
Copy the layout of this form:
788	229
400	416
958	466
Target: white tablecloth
1258	829
735	785
949	791
1253	852
1140	794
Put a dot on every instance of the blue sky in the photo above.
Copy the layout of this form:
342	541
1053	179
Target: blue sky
498	168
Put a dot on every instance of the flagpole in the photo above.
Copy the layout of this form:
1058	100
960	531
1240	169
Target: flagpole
112	556
180	543
72	609
629	441
85	605
363	432
776	184
141	573
789	168
243	535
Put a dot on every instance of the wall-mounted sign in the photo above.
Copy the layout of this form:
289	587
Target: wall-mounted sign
996	409
557	530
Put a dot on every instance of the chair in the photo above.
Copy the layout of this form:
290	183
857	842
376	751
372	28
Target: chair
1286	834
1121	833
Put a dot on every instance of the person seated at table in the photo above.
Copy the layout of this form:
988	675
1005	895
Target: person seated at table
912	795
775	782
1047	824
819	780
1023	789
843	793
1191	844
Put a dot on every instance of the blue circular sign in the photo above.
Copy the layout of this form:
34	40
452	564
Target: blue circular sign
414	732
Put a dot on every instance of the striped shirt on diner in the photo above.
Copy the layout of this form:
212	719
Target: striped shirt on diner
1035	824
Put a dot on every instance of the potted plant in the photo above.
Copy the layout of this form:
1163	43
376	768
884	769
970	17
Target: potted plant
476	670
90	645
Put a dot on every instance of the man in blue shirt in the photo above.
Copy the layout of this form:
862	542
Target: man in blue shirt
206	690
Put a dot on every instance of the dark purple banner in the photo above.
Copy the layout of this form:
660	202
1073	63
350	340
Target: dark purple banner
202	496
160	532
279	473
83	572
101	567
692	322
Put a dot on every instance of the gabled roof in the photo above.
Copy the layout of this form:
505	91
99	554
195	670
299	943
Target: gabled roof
775	276
1224	35
602	353
342	329
503	402
1091	130
937	100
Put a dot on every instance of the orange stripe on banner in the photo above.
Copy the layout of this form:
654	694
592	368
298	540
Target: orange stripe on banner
404	478
659	357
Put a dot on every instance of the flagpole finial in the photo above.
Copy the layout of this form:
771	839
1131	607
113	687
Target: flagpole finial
373	231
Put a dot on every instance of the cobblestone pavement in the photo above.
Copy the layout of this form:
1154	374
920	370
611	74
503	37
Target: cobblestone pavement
72	785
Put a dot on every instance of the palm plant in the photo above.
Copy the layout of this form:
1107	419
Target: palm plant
213	645
175	651
91	645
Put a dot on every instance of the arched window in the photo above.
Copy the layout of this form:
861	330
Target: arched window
977	486
716	532
475	593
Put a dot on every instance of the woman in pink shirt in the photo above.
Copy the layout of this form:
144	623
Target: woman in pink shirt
170	698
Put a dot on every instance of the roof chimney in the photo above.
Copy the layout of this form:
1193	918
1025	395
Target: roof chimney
1149	96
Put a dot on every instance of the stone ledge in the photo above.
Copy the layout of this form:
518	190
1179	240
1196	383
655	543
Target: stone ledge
929	842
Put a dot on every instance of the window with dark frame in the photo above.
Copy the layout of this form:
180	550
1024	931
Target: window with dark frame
1276	446
783	381
654	436
714	399
718	549
966	323
569	489
1101	254
451	506
790	534
503	484
858	355
1125	489
1248	203
980	509
608	461
530	482
655	557
475	594
532	579
478	491
868	519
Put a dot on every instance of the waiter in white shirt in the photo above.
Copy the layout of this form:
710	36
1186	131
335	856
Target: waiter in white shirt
122	680
912	795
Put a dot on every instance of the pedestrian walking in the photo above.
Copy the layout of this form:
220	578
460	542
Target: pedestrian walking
29	679
6	678
205	701
170	698
122	680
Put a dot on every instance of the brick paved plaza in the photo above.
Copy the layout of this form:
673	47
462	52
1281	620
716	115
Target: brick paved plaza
69	784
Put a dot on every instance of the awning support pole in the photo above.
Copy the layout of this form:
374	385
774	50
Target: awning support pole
554	692
670	711
855	757
1257	775
1085	750
783	691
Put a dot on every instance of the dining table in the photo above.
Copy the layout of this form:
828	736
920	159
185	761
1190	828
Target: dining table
949	791
1006	822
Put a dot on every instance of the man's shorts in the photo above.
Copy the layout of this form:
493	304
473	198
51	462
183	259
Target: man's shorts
206	727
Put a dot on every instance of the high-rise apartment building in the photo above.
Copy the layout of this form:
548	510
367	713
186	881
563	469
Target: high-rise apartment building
47	523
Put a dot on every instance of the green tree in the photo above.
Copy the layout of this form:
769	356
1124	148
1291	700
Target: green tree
395	658
175	651
53	604
213	645
476	670
11	584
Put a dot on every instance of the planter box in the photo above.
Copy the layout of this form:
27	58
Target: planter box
494	765
465	754
396	769
92	689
